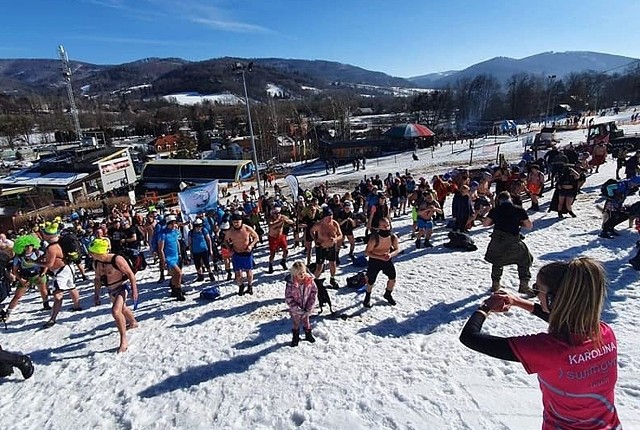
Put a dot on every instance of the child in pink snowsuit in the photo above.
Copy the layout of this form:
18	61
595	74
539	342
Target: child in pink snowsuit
300	296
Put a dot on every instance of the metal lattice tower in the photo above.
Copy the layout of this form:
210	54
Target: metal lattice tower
66	73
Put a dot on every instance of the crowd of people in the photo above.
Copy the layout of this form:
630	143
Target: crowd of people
51	256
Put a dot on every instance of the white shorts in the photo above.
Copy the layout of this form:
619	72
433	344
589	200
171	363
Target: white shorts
63	279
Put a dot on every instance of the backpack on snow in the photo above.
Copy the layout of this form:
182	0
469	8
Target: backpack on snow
210	293
358	280
71	248
462	241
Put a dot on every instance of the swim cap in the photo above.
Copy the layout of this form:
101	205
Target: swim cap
99	246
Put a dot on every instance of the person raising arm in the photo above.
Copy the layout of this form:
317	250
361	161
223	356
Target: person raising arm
576	360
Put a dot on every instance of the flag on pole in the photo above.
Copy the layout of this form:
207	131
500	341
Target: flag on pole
195	200
292	181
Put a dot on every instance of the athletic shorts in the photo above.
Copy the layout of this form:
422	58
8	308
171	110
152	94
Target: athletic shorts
376	266
425	224
201	259
63	279
325	254
242	261
395	202
276	243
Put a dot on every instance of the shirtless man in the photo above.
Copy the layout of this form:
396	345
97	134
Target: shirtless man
326	234
427	209
113	272
242	239
277	239
59	272
381	249
347	224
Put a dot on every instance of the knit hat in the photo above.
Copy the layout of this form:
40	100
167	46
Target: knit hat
99	246
326	211
22	242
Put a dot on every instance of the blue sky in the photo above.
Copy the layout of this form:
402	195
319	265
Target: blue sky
401	38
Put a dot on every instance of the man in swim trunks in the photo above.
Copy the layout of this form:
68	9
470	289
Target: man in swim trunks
277	239
113	272
59	271
242	239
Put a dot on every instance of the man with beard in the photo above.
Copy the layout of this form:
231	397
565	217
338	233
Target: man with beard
381	248
242	239
277	239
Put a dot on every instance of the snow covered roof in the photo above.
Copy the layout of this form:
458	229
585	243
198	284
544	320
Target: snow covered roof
34	178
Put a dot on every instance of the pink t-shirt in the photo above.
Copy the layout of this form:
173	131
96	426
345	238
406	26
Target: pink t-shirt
577	382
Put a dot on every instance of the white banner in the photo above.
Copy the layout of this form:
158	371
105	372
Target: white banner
195	200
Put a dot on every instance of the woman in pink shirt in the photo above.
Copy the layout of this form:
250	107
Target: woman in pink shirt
576	360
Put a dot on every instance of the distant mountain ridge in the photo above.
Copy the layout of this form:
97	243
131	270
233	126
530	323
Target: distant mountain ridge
162	76
560	64
172	75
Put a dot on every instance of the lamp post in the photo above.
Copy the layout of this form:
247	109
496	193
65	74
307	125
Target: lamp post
546	113
240	68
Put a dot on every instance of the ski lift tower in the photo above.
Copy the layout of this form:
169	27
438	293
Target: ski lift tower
66	73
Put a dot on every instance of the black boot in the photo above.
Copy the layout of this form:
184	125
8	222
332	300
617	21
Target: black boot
283	263
388	298
241	289
367	300
46	306
250	289
211	277
174	291
180	295
200	277
270	268
228	275
296	338
308	336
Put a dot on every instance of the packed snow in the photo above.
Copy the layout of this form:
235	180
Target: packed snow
228	364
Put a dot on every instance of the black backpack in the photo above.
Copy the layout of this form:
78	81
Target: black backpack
71	248
135	262
358	280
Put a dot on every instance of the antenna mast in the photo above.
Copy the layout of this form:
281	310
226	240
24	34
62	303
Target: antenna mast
66	73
